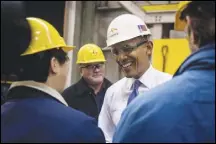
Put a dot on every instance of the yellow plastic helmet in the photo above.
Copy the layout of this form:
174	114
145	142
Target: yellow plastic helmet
44	37
90	53
179	24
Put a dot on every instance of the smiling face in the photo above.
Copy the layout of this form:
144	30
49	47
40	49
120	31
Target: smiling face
133	56
93	73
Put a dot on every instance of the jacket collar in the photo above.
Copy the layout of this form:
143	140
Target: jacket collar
42	87
106	84
82	87
204	58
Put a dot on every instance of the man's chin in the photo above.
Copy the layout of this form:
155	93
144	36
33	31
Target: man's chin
128	75
131	74
97	80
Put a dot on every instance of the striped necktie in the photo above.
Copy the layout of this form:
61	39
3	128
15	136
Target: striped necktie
135	92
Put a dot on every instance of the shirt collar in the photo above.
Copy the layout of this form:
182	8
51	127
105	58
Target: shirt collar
42	87
146	79
84	87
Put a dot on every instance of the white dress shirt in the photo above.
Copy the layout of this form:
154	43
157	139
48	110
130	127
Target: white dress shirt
116	98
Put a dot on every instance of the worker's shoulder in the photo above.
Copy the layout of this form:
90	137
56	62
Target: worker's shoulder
71	90
67	117
162	74
176	90
49	116
75	123
174	98
164	96
55	109
48	109
79	121
75	115
107	83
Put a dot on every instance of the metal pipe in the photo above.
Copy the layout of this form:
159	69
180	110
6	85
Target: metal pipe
69	28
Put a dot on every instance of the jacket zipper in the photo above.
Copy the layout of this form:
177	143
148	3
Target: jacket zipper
93	96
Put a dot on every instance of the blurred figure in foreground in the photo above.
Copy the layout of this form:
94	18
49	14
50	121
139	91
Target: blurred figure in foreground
15	38
35	111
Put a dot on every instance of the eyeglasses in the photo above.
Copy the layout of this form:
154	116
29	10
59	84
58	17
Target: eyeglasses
93	66
126	48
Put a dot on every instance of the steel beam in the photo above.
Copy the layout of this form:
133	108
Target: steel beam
133	8
160	17
160	8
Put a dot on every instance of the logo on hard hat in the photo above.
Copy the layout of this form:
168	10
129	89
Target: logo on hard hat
94	52
113	32
142	28
113	29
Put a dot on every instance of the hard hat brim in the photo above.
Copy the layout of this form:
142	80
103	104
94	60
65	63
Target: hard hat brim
64	48
91	61
67	48
179	25
113	41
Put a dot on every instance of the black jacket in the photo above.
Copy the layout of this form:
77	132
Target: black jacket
81	97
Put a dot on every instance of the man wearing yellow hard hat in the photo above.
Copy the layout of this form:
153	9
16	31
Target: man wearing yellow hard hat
35	111
183	109
87	94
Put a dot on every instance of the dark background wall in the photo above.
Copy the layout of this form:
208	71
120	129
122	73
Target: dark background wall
51	11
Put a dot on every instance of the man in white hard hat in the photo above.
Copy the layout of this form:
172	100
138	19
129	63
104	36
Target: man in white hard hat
129	40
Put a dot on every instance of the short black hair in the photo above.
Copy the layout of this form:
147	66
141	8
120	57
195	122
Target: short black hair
202	14
36	66
199	9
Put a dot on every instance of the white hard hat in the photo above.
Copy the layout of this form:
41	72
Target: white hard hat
126	27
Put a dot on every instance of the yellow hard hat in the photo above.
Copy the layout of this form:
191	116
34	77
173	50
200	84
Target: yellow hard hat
44	37
90	53
179	24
